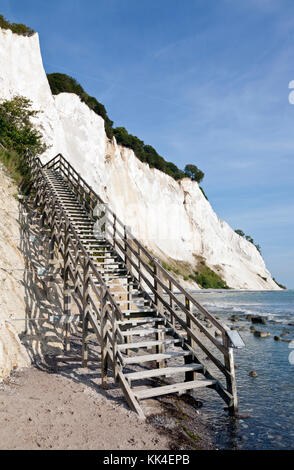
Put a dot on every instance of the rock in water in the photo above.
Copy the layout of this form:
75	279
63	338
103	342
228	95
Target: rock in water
253	373
259	320
261	334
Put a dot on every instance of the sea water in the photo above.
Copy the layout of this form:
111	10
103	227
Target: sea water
269	398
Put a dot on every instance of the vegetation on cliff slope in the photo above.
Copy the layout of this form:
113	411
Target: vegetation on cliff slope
17	133
207	278
204	276
279	284
248	238
17	28
60	83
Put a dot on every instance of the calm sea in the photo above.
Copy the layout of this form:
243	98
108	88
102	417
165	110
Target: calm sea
268	398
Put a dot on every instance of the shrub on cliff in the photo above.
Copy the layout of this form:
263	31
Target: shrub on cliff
193	172
17	131
17	28
146	153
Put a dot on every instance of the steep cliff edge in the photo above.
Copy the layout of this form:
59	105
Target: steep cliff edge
172	218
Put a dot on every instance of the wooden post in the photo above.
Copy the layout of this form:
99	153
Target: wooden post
104	340
51	265
139	264
231	380
189	359
128	254
66	292
159	290
85	307
113	228
114	342
172	304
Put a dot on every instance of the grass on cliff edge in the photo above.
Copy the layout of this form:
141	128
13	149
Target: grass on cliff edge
207	278
17	169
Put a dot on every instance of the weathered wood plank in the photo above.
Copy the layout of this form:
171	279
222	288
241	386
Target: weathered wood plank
167	389
166	372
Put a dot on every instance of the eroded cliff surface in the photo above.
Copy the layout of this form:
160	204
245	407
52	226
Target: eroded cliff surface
12	292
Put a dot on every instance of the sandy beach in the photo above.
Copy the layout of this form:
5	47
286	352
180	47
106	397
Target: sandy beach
62	409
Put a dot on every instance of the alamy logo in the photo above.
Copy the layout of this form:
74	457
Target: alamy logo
291	94
291	355
100	212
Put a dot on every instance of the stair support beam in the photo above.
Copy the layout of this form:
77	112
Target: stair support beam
129	338
66	291
230	379
191	375
85	310
104	340
160	349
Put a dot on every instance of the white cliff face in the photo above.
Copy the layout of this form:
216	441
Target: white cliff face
12	293
171	218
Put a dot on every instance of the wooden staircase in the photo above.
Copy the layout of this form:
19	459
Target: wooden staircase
127	298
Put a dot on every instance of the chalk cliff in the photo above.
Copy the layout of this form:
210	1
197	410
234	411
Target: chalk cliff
12	293
172	218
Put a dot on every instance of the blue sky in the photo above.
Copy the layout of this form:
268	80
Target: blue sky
204	82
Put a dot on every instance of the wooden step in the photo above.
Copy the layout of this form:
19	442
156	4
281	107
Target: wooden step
111	271
135	302
84	224
134	291
164	372
167	389
141	310
64	318
139	321
109	264
145	331
147	344
119	277
154	357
